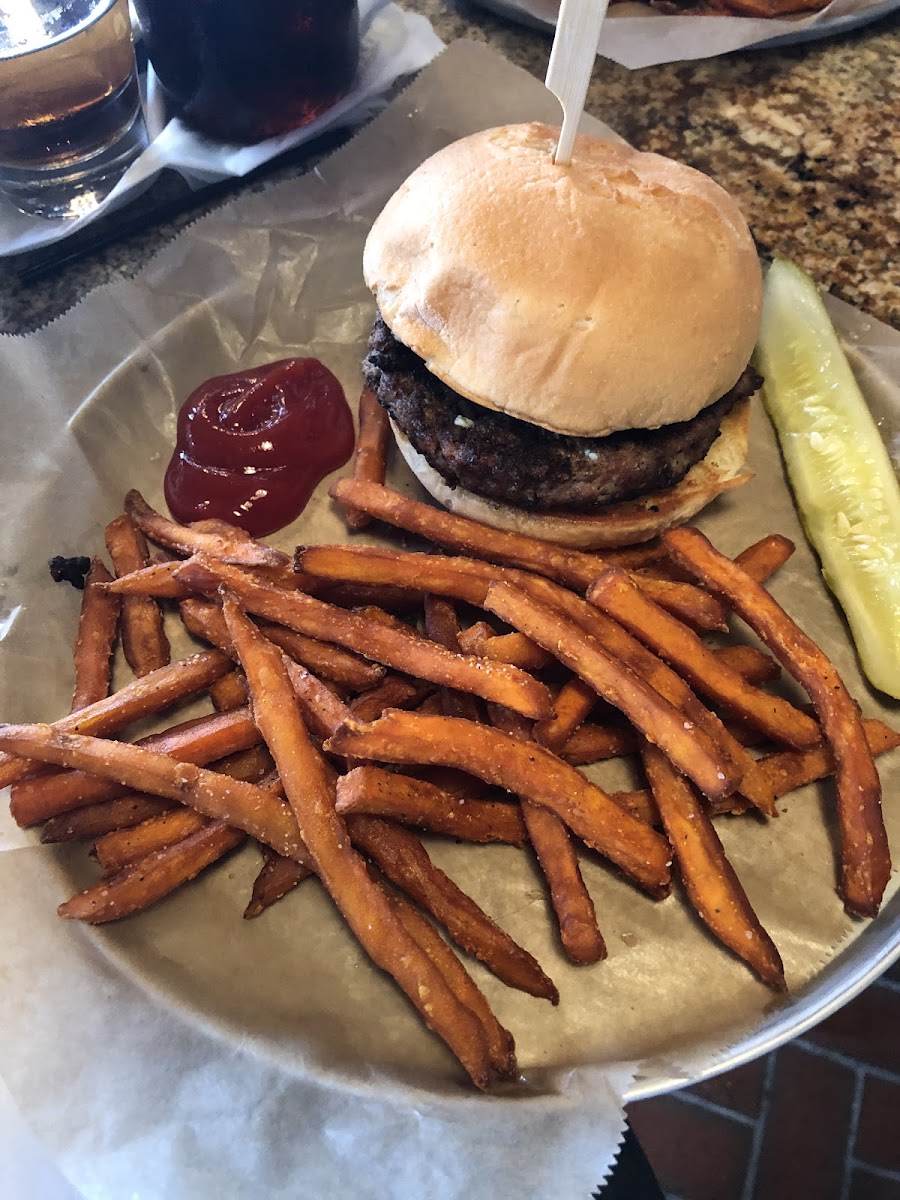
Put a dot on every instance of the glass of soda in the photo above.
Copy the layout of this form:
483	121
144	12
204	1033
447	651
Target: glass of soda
245	70
70	110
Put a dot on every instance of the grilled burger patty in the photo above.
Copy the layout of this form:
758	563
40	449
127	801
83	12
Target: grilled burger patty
518	463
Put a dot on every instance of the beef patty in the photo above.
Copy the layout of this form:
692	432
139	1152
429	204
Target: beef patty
515	462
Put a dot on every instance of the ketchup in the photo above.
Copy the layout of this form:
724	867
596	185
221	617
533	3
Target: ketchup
252	446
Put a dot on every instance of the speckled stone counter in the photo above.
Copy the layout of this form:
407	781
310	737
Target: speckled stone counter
806	138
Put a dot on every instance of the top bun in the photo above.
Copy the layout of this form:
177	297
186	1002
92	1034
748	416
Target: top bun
620	292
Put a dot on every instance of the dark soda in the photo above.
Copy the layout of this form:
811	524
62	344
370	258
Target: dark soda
245	70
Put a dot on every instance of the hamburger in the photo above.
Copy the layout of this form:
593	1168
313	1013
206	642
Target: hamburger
563	350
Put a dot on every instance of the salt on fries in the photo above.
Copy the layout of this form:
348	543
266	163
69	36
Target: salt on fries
614	636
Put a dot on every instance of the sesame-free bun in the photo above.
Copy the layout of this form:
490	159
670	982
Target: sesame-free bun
620	292
621	524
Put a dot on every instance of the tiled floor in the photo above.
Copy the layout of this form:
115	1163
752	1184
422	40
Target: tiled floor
817	1120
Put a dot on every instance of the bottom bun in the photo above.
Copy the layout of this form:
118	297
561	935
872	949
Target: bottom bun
620	524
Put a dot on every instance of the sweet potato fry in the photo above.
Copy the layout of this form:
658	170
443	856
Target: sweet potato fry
790	769
572	567
640	804
144	640
431	704
501	1047
572	903
865	856
442	626
330	662
763	558
406	652
712	887
98	626
574	908
120	847
243	805
523	768
405	862
322	710
380	793
513	648
122	844
250	765
394	691
229	692
572	705
753	665
157	579
628	650
277	876
203	618
386	596
636	558
679	646
688	603
381	616
371	451
222	528
142	698
469	580
592	743
688	746
465	535
361	902
441	622
201	741
188	540
465	579
97	819
148	880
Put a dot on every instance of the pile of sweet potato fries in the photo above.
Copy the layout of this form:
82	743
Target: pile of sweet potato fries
364	693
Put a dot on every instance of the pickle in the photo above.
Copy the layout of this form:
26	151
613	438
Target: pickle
844	484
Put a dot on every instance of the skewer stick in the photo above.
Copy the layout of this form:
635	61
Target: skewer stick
571	61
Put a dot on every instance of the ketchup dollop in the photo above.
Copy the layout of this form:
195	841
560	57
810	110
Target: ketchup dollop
252	446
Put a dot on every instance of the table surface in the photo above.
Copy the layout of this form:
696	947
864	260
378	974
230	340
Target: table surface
801	136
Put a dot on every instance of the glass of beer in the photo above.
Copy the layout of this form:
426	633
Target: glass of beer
245	70
70	111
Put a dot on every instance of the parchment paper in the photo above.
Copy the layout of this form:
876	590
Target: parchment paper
188	1053
634	35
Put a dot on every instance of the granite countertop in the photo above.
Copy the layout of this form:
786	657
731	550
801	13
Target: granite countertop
801	136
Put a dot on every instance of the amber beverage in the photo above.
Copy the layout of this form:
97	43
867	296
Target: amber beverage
245	70
70	115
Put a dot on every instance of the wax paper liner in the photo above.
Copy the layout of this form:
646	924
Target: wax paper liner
635	35
187	1051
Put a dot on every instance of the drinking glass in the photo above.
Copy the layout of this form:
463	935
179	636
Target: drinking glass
70	111
245	70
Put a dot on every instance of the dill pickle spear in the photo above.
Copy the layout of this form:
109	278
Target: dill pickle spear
843	481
